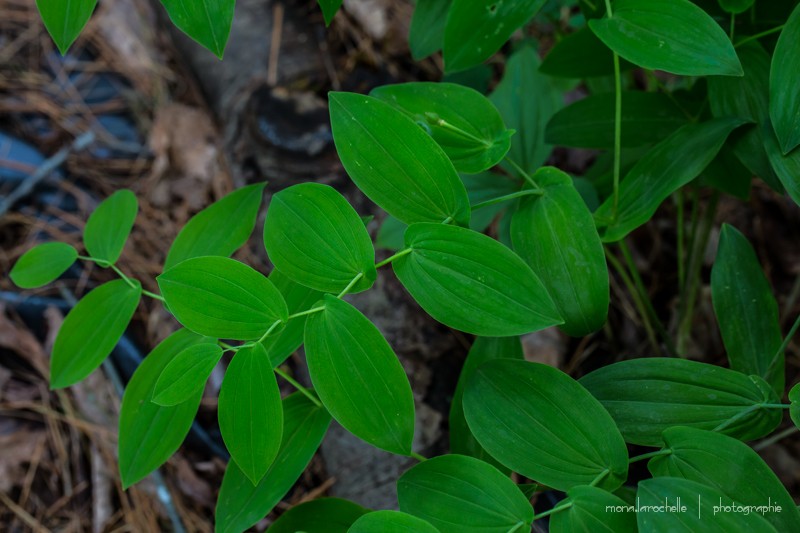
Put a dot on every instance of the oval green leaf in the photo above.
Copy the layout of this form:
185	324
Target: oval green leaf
593	509
476	29
240	505
391	522
472	283
784	93
647	396
671	35
222	298
461	120
786	167
150	433
219	229
426	34
186	374
396	164
581	55
91	330
668	166
65	19
555	234
109	225
729	466
206	21
325	515
460	494
316	238
42	264
746	310
358	377
250	412
556	443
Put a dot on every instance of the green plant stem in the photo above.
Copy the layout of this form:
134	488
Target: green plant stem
759	35
306	312
418	457
228	347
351	284
128	280
455	129
554	510
769	441
733	25
269	330
154	296
649	455
304	391
784	344
388	260
527	177
617	122
600	477
506	197
678	197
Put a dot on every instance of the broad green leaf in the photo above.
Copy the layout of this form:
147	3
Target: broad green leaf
671	35
736	6
240	505
787	167
647	396
206	21
462	441
589	510
460	494
690	506
589	123
555	442
91	330
358	377
461	120
186	374
794	408
250	412
396	164
487	186
580	55
472	283
149	433
390	234
526	100
222	298
298	298
42	264
784	92
727	174
476	29
109	225
329	9
667	167
219	229
729	466
64	19
555	234
325	515
746	310
478	77
426	34
391	522
317	239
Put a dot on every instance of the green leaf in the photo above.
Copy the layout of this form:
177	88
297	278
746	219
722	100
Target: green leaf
241	505
391	522
426	34
526	100
91	330
589	511
109	225
784	93
554	442
729	466
206	21
671	35
668	166
316	238
726	173
787	167
390	234
325	515
42	264
219	229
329	9
461	120
476	29
746	310
647	396
462	441
396	164
186	374
580	55
699	513
298	298
555	234
472	283
794	408
250	412
65	19
150	433
460	494
736	6
358	377
589	123
222	298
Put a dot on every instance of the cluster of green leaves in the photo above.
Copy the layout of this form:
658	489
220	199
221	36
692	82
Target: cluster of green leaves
445	161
